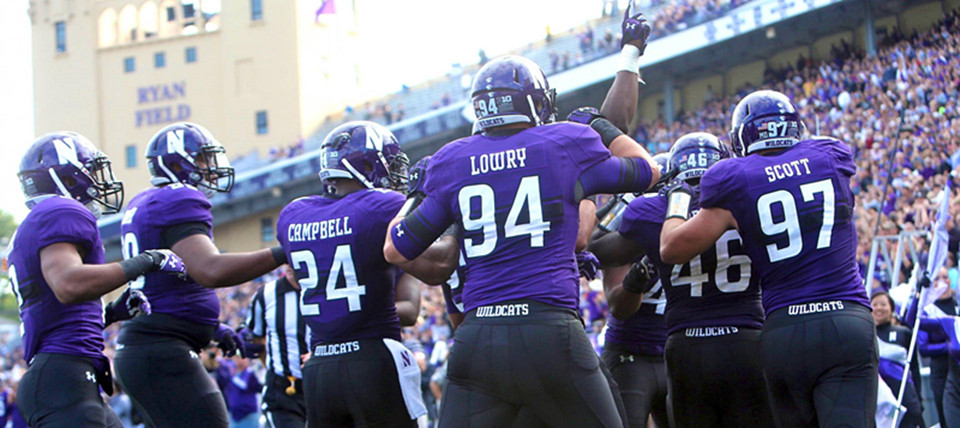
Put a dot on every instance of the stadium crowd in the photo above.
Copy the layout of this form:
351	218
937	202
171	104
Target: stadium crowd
897	110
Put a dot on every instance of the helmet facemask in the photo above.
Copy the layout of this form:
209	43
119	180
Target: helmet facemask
212	172
106	190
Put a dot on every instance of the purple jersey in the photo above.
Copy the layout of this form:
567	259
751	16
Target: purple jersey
715	288
645	332
516	199
144	220
48	325
794	210
336	248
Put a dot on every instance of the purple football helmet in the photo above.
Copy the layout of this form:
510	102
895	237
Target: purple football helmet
764	120
366	152
512	89
188	153
664	160
693	153
68	164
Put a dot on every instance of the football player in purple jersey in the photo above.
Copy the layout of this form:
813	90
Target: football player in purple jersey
57	271
359	373
790	200
713	311
156	360
514	190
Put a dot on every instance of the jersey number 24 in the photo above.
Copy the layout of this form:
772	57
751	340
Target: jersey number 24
342	264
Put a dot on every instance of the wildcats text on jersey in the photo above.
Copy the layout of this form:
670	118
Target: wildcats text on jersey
710	331
815	307
301	232
336	349
514	310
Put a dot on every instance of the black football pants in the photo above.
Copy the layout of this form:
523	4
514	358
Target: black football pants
356	389
538	360
642	382
61	391
717	381
821	368
169	386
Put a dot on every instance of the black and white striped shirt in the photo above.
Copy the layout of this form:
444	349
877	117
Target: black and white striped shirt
275	315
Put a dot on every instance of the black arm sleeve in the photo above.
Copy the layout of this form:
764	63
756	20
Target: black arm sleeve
175	233
614	175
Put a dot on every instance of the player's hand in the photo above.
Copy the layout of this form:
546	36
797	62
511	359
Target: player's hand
165	261
584	115
228	340
250	349
678	185
634	30
131	304
418	177
641	278
588	264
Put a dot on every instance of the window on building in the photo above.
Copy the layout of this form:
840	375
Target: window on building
171	14
131	156
266	229
256	10
191	54
128	65
61	28
159	60
188	11
262	122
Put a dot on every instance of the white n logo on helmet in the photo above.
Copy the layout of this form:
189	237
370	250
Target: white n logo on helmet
66	151
175	143
374	139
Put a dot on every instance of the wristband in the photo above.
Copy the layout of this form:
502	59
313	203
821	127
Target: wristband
278	255
136	266
630	59
607	130
678	205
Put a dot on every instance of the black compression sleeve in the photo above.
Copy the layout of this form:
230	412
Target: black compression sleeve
138	265
607	130
173	234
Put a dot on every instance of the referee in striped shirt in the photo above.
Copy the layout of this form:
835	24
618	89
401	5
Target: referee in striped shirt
275	318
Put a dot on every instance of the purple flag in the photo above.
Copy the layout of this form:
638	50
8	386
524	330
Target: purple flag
327	7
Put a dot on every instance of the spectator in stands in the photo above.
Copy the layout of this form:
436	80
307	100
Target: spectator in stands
242	393
387	114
